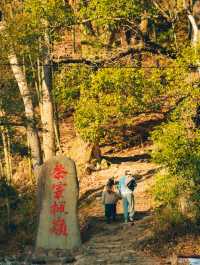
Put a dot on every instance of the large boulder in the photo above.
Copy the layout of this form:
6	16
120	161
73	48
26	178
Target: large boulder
82	153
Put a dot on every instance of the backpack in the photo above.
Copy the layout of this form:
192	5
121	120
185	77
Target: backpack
132	184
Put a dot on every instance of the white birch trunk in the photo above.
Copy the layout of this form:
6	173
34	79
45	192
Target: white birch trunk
195	35
47	114
9	155
29	110
195	30
47	106
6	154
6	149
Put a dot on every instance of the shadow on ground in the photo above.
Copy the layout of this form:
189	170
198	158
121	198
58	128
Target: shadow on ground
120	136
98	225
147	175
90	195
119	160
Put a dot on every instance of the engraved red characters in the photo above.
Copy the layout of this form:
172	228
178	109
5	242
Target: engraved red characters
59	172
59	226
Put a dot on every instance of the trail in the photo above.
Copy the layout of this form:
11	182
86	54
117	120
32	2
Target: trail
118	243
115	243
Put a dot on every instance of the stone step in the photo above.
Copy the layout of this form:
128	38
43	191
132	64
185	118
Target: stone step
104	246
116	262
120	258
106	259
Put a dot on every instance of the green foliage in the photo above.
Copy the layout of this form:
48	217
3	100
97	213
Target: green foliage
169	220
177	142
18	210
67	85
89	118
109	12
10	101
8	202
168	188
110	94
34	19
55	13
115	93
7	191
177	149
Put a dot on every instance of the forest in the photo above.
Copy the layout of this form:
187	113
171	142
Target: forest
106	66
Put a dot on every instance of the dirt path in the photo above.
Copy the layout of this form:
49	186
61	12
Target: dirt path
117	243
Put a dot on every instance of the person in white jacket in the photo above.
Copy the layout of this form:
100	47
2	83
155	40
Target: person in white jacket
127	196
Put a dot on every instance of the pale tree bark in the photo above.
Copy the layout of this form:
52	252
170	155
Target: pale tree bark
8	172
43	96
25	92
47	115
6	149
144	26
37	81
57	129
47	112
29	110
47	107
195	30
123	39
9	155
193	11
195	36
1	169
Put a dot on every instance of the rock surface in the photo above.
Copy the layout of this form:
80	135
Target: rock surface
58	194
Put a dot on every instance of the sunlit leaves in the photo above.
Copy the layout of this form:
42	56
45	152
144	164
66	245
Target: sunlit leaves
109	12
27	22
177	149
53	13
67	86
116	93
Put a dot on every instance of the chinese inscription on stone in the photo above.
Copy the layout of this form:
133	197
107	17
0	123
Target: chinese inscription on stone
59	226
58	194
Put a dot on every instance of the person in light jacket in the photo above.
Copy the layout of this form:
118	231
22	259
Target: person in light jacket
109	200
127	196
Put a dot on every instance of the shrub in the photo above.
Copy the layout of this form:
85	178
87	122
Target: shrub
115	94
67	85
177	149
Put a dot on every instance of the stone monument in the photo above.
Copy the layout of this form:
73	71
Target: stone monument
58	226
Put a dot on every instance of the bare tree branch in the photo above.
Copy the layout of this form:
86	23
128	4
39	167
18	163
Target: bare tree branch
150	46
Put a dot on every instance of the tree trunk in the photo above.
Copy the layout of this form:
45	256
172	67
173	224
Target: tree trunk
193	8
29	110
1	169
111	38
9	155
6	148
123	39
195	35
144	26
195	30
6	154
47	105
57	130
